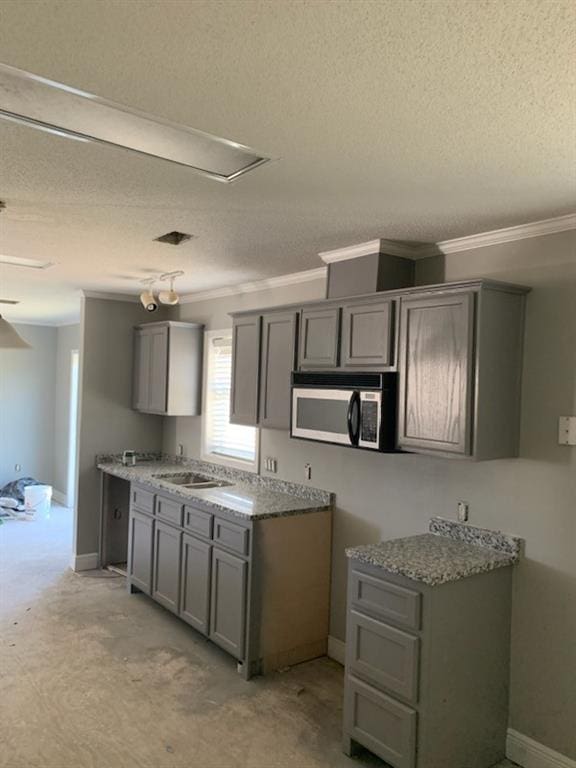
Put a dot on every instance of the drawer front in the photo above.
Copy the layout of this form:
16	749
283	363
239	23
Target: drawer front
382	655
198	521
386	600
168	510
381	724
142	499
232	536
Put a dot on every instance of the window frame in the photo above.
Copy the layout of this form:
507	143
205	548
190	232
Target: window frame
205	453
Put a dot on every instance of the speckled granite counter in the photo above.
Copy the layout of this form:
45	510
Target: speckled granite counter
452	551
250	496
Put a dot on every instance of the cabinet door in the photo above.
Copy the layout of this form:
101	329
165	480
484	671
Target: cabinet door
367	340
158	391
140	551
436	370
195	583
166	573
141	370
277	363
245	373
319	336
228	601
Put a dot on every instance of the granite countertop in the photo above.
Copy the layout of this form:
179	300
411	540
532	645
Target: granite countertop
451	551
249	497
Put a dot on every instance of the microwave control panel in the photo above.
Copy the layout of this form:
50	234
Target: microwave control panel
369	421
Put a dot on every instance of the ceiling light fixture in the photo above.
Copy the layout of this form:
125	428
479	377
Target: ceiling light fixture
170	297
66	111
147	297
10	338
16	261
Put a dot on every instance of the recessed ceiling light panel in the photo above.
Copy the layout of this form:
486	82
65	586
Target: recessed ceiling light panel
16	261
63	110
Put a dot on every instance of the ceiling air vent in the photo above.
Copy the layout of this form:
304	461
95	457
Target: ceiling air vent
174	238
8	301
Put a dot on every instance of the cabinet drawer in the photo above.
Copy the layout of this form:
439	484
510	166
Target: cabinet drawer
381	724
169	510
385	600
143	500
198	521
384	656
232	536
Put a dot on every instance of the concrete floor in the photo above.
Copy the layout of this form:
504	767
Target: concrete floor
92	677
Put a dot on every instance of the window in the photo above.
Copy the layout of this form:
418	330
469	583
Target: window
222	442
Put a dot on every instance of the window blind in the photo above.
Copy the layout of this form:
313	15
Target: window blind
221	437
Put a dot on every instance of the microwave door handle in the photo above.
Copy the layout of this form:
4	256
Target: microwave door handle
354	403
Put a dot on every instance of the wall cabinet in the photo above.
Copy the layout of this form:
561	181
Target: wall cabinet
319	338
367	341
408	697
167	368
245	370
228	578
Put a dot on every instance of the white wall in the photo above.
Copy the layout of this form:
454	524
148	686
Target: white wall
383	496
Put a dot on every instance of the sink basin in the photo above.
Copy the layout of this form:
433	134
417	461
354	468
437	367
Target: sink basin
192	480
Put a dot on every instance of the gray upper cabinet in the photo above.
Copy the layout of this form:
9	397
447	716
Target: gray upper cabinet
436	373
319	338
367	335
167	369
245	370
277	364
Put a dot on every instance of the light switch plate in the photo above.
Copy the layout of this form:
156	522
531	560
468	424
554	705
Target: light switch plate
567	430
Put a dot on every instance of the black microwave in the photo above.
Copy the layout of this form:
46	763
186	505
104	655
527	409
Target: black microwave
353	409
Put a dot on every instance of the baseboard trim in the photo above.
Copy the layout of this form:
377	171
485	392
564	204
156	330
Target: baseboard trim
531	754
85	562
60	497
336	649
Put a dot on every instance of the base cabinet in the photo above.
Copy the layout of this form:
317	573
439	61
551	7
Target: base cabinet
227	577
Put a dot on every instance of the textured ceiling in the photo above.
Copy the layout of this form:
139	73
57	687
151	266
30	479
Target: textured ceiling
412	120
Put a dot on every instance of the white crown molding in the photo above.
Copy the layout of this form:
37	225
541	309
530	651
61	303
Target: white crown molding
531	754
111	296
480	240
258	285
508	235
390	247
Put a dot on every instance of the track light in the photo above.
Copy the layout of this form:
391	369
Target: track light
148	300
170	297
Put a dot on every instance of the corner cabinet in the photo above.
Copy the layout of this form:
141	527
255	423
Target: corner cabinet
460	366
167	368
228	577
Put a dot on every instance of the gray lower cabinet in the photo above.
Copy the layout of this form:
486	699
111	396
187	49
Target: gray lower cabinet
427	668
228	578
196	567
244	389
166	568
140	542
367	335
319	338
228	601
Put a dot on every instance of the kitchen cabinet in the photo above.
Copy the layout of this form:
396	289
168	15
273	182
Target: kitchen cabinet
167	368
460	363
229	577
228	601
408	697
166	566
195	585
367	341
245	370
140	533
279	332
319	338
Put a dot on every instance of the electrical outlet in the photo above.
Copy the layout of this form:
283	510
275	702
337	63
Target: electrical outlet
567	430
463	511
271	464
180	449
17	467
308	471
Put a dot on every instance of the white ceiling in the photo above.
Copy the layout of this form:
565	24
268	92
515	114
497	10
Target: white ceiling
411	120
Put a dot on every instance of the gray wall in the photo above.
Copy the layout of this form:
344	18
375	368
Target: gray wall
383	496
107	421
27	391
67	341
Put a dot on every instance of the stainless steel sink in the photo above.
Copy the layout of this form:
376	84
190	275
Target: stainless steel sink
192	480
